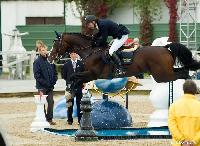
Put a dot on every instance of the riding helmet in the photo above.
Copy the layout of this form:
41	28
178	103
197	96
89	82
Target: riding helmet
90	18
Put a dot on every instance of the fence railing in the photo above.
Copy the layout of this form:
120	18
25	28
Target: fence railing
18	65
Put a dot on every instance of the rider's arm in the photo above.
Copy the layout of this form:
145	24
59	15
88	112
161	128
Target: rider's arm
101	37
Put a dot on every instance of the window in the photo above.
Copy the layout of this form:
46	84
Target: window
44	20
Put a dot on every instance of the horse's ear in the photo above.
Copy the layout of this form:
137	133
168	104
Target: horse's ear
58	36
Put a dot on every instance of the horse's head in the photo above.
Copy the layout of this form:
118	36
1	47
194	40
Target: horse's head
59	48
68	42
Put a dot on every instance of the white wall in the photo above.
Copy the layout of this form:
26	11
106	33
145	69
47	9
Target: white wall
123	15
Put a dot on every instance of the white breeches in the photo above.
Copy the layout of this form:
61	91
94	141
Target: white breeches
117	43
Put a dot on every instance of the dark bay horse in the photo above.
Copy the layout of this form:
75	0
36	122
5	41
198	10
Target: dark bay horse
158	61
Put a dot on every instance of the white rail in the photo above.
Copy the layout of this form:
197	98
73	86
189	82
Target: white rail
18	63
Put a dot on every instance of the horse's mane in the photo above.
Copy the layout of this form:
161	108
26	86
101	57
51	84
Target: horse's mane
88	38
78	34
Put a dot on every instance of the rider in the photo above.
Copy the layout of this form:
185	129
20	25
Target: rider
108	28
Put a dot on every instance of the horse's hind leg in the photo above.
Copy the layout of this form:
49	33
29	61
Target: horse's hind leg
163	74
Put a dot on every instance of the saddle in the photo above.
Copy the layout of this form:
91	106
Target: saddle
126	57
125	52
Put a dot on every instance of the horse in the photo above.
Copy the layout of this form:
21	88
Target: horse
157	61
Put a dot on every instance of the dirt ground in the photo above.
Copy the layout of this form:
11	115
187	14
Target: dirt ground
16	115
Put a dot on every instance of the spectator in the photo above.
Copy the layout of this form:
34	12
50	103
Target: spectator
46	77
38	45
184	117
70	67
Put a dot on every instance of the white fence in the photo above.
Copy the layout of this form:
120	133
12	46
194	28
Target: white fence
18	65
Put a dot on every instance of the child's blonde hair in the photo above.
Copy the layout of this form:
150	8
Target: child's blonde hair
41	43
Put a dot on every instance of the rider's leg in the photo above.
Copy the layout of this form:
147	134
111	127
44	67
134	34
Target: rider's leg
117	43
116	59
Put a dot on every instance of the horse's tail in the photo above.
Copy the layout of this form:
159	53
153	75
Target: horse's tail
184	55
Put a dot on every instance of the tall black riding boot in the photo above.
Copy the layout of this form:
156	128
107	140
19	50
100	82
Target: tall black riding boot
116	59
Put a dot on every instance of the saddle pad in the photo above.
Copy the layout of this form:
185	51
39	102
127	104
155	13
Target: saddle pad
126	57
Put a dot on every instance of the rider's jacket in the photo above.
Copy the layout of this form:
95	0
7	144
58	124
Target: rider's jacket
68	70
44	73
108	28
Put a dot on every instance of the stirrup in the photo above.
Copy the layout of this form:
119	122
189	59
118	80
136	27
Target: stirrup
119	72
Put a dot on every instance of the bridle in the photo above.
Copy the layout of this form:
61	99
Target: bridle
60	46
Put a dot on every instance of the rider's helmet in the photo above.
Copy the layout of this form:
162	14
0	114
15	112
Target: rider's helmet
90	18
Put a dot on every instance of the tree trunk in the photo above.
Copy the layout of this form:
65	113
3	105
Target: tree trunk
146	28
172	5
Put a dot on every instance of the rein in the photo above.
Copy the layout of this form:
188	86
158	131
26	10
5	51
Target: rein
91	54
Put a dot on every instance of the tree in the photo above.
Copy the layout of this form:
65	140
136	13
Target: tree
85	7
172	6
146	11
99	8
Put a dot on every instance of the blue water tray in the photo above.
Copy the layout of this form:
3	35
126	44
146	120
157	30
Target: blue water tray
121	133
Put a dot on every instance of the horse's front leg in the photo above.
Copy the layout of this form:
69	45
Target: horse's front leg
86	75
82	77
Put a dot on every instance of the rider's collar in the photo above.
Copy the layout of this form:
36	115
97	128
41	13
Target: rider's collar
74	60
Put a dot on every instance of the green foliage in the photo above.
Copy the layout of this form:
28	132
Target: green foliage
81	6
113	4
85	7
147	11
153	7
100	8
